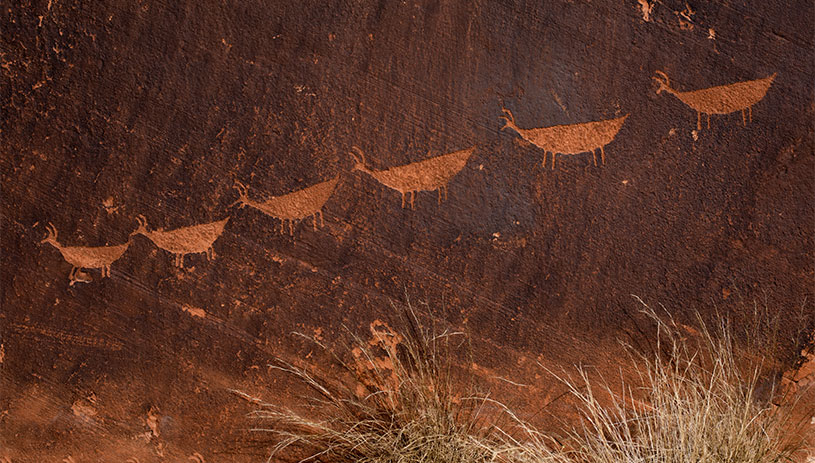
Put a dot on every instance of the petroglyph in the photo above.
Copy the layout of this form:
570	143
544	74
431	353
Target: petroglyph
646	9
569	139
65	337
196	458
294	206
428	175
722	99
195	239
99	257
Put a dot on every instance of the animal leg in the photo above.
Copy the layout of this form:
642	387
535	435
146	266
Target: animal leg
413	200
403	200
314	221
743	117
291	227
603	155
72	276
210	254
445	192
105	271
439	192
698	120
708	121
594	157
750	112
554	158
322	222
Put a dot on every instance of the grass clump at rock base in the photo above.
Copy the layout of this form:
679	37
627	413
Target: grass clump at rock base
395	401
697	403
693	398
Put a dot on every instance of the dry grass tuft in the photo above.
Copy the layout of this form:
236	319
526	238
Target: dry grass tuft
397	404
697	403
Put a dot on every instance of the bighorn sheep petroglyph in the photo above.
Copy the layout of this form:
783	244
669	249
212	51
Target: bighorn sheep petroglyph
293	206
98	257
722	99
427	175
195	239
568	139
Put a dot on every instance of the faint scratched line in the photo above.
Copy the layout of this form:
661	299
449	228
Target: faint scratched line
65	337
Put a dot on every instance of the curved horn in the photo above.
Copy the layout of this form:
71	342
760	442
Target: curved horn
508	113
243	194
142	220
243	190
361	158
52	230
509	119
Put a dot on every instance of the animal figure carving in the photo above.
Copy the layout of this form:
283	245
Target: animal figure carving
428	175
80	257
195	239
290	207
569	139
723	99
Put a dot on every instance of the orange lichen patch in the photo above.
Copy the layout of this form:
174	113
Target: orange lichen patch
569	139
194	311
385	336
371	369
108	205
722	99
152	421
432	174
195	239
84	411
294	206
803	377
98	257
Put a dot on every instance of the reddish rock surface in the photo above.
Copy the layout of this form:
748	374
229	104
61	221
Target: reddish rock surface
112	110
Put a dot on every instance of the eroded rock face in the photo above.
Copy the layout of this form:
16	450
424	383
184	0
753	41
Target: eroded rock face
181	112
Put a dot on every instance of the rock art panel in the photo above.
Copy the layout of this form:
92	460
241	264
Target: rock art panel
569	139
431	174
722	99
